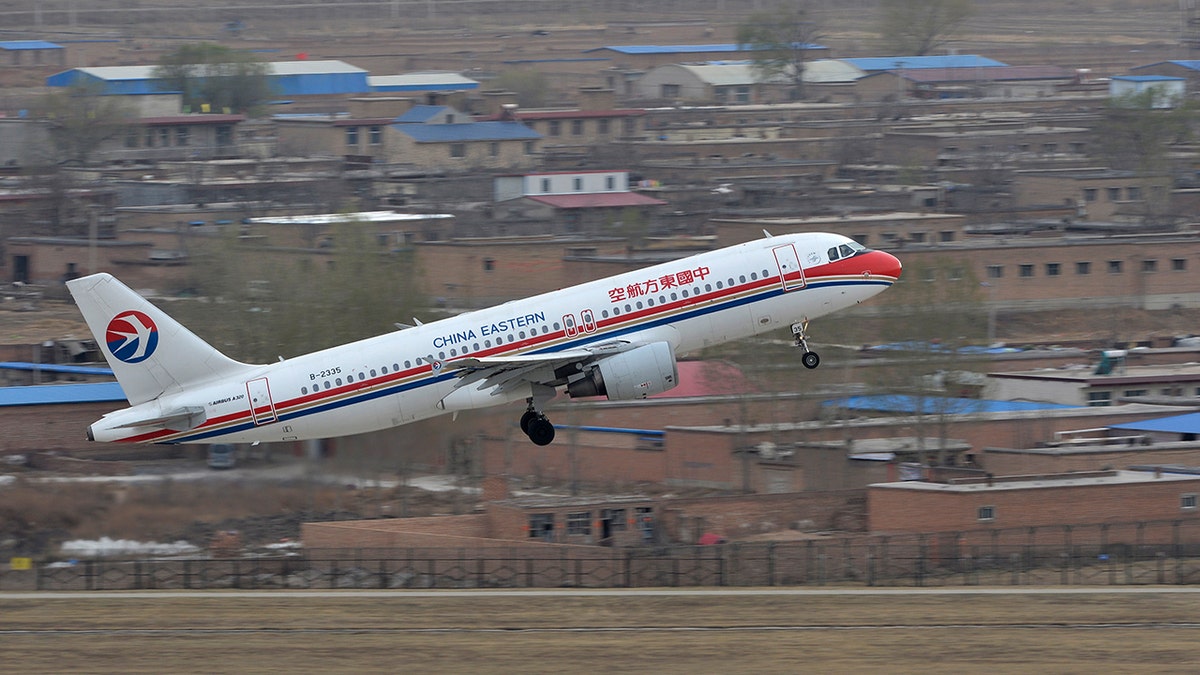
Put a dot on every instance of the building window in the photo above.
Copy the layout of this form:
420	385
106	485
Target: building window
541	526
1089	194
629	126
149	138
489	264
670	91
576	127
449	118
610	182
351	135
1053	269
995	271
1114	266
183	136
987	513
579	522
1099	399
1187	502
131	139
530	148
1077	148
493	149
1134	392
1050	147
1083	268
458	150
1114	194
578	184
743	94
164	136
615	518
545	185
1150	265
1026	271
1179	264
1133	193
947	236
602	127
375	135
555	128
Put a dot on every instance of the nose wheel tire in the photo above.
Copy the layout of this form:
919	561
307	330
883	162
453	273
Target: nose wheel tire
810	360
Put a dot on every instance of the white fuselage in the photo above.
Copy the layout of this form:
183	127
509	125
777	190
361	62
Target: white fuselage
403	376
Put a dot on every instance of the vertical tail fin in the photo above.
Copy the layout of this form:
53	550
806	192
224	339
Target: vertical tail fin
149	352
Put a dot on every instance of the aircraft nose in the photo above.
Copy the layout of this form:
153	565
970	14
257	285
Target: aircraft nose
886	264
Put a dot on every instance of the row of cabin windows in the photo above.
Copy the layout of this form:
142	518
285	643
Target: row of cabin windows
1083	268
1187	502
534	331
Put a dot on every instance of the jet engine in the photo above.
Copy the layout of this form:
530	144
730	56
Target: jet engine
637	373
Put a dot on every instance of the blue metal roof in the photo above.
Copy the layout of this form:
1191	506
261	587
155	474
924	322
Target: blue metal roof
1176	424
686	49
420	113
54	368
1148	78
876	63
13	45
930	405
43	394
473	131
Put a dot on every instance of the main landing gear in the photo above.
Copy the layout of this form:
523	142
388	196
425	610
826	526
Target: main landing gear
534	422
810	359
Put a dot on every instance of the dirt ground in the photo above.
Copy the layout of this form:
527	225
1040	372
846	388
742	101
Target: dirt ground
1109	632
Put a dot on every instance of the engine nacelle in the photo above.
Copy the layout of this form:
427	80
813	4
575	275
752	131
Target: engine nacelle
637	373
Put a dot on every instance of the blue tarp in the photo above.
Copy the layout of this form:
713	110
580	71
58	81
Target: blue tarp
932	405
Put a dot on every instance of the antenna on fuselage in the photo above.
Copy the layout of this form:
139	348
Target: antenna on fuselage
768	234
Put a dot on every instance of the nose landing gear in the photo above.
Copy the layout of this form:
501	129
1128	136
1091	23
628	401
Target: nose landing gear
810	359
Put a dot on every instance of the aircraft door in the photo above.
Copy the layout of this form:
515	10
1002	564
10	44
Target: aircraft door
262	408
788	262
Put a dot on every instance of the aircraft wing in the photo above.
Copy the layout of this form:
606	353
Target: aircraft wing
504	372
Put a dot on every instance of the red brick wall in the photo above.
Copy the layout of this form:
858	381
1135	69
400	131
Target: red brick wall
901	509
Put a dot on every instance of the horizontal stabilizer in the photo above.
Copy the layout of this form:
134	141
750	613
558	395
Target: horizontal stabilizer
180	419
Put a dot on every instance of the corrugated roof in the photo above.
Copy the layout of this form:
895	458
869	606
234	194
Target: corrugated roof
1148	78
50	394
420	113
55	368
830	71
992	74
595	200
683	49
427	81
876	63
930	405
119	73
474	131
1176	424
16	45
726	74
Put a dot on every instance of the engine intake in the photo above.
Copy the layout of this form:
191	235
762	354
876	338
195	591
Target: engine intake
637	373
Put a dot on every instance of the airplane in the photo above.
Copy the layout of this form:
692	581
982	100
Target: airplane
616	337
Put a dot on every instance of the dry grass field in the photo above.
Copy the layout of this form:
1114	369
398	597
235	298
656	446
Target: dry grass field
463	632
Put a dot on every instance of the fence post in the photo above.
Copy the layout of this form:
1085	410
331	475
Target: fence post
922	552
870	565
1015	559
89	581
771	563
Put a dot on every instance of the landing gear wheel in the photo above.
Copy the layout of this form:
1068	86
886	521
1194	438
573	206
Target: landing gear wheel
541	431
810	360
527	419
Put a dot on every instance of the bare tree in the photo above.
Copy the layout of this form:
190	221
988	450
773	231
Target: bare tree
780	42
919	27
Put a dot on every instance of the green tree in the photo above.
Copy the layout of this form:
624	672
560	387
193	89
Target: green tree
262	303
779	43
80	121
212	75
918	27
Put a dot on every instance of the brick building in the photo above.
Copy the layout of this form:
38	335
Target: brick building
1032	501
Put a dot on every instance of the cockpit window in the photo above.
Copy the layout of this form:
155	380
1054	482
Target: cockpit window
845	250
